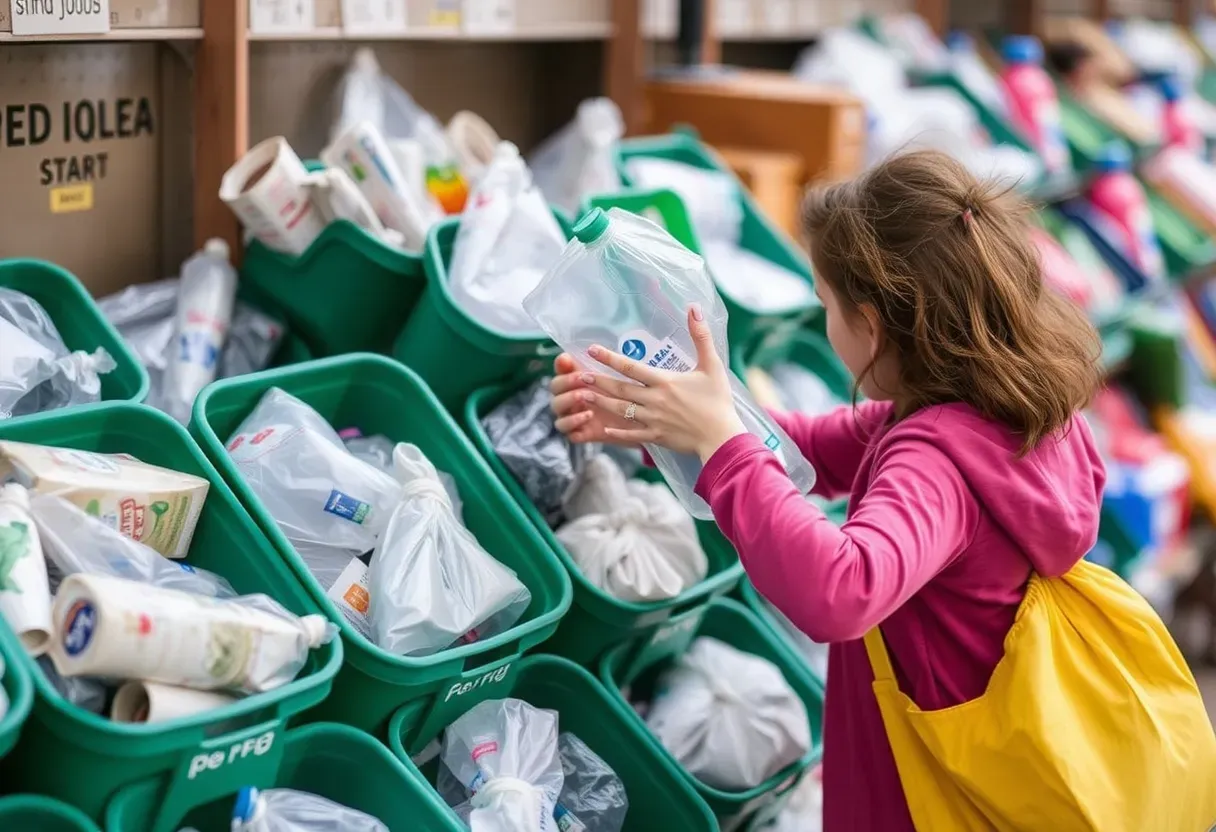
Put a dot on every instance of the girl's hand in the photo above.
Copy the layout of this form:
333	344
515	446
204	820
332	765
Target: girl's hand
691	412
576	418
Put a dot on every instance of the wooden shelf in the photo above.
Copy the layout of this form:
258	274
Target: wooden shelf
121	35
557	32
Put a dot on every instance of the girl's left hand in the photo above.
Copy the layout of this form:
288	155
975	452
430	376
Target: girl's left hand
691	412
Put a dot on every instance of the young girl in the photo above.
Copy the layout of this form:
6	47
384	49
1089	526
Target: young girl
967	468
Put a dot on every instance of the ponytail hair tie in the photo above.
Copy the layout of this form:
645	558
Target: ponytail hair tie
968	217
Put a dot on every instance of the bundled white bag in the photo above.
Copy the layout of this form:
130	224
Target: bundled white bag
729	717
579	160
377	450
430	582
508	239
505	752
630	538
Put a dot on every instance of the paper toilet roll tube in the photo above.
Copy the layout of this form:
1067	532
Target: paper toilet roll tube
123	629
25	594
268	191
152	702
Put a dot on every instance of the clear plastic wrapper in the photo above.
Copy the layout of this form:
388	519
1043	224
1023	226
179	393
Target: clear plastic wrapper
523	432
630	538
430	582
288	810
82	691
626	284
504	752
579	161
729	717
37	371
253	339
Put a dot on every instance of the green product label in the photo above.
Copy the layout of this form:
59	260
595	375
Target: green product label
14	545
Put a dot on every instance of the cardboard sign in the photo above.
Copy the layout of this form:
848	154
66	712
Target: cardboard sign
60	17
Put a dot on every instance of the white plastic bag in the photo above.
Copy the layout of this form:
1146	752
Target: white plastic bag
630	538
802	811
505	752
755	282
802	391
627	284
288	810
579	160
377	450
729	717
711	197
430	581
507	239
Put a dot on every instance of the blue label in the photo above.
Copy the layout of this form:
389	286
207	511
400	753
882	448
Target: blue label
633	349
772	442
347	507
567	822
186	567
78	627
199	348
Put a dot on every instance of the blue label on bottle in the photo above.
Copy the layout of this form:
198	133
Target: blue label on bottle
347	507
634	349
78	627
567	822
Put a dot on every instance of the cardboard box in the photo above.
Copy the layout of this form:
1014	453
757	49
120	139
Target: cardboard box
139	14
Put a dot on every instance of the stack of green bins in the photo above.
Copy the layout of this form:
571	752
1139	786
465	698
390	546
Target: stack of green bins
82	758
635	666
380	396
660	798
453	352
597	620
79	321
17	689
41	814
332	761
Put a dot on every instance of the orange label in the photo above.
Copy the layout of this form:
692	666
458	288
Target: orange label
357	597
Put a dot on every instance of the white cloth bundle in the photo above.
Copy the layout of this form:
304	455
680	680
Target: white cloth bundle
729	717
630	538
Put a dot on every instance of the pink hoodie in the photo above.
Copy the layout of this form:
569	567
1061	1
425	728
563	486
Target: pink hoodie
945	524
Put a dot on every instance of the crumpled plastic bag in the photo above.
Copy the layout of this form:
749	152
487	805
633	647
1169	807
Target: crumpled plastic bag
505	752
631	538
84	692
729	717
377	450
710	196
802	811
508	238
289	810
523	433
579	160
755	282
37	371
430	582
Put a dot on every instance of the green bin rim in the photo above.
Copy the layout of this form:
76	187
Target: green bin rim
342	231
270	529
48	806
118	350
20	686
252	704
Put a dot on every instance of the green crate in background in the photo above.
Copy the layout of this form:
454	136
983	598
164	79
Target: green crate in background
79	321
597	620
81	758
662	206
331	761
379	395
636	665
18	690
660	798
33	813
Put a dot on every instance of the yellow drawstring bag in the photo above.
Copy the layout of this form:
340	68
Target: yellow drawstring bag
1092	721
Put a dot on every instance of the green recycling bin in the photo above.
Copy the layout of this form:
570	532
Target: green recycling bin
380	396
660	798
638	664
34	813
79	321
453	352
82	758
16	688
597	620
332	761
813	655
759	235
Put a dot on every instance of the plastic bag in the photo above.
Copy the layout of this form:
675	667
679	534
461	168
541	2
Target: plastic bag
507	239
288	810
631	539
377	450
505	752
626	283
579	161
75	542
523	433
37	371
711	197
755	282
730	718
802	811
82	691
253	339
430	581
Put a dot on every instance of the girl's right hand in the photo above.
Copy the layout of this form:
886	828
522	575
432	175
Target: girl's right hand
576	417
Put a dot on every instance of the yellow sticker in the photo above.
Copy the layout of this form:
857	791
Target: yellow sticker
444	13
72	198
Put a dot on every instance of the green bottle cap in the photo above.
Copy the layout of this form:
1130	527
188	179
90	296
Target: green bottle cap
591	227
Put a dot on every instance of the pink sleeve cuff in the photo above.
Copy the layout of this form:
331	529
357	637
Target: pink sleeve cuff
734	451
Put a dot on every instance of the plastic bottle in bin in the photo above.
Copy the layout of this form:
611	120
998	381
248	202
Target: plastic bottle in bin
204	312
1119	210
1178	128
1033	104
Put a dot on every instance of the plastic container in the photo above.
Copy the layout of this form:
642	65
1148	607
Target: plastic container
82	758
637	663
18	689
80	323
597	620
1178	128
1033	105
378	395
452	352
660	797
333	761
1120	211
41	814
759	234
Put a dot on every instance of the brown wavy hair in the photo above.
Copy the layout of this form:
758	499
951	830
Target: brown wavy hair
947	262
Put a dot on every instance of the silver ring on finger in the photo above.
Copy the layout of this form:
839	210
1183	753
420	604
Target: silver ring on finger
631	412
